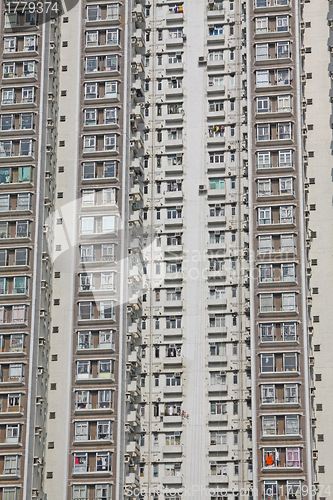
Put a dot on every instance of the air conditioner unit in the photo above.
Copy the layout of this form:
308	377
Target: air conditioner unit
177	289
202	187
177	374
202	59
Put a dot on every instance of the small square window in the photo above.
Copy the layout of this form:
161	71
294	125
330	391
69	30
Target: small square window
318	377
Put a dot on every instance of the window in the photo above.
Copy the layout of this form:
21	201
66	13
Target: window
215	80
173	322
105	399
262	51
11	465
283	77
286	215
282	50
91	90
8	96
283	103
263	132
267	394
284	131
264	216
30	18
288	302
264	187
9	70
216	183
88	170
261	25
29	43
6	149
218	438
26	147
91	64
107	310
10	20
267	363
21	256
108	224
18	314
218	469
90	116
81	431
89	143
20	284
267	332
215	55
87	225
263	105
28	95
265	273
102	492
269	427
290	362
288	272
86	310
23	201
110	142
292	424
7	122
289	331
216	30
79	492
29	69
266	302
105	369
12	433
285	158
217	378
262	78
218	408
293	457
80	462
217	349
112	12
290	393
173	379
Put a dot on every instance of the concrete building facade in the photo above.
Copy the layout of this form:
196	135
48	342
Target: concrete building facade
161	333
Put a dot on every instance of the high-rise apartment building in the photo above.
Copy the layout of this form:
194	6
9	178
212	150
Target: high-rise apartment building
164	242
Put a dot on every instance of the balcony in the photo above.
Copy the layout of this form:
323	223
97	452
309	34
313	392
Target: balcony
213	388
172	480
173	304
215	11
217	359
173	332
218	418
216	141
219	479
215	63
172	419
172	449
220	39
218	448
215	89
216	192
172	389
174	92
